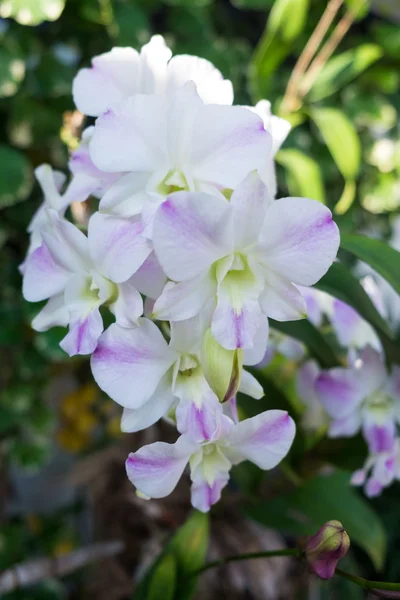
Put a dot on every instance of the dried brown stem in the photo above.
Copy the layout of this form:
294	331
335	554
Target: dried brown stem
33	571
290	100
328	49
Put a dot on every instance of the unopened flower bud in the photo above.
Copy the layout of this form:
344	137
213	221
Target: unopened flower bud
324	549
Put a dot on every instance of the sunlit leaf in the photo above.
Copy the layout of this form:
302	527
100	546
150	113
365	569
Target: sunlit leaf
276	43
321	499
342	69
347	198
15	176
341	139
31	12
303	174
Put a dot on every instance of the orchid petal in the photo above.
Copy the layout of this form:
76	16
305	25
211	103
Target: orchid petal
228	143
157	407
54	314
126	197
149	279
250	198
43	276
181	301
156	469
211	86
345	427
264	439
298	240
84	332
250	386
281	300
113	77
340	392
117	246
255	354
128	364
204	495
128	307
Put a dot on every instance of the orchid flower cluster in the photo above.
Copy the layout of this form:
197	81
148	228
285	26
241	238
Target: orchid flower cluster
360	397
188	251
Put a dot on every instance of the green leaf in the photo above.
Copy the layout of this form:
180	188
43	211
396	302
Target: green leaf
341	139
359	8
347	198
305	332
32	12
12	72
342	69
323	498
384	259
16	178
188	549
304	176
341	283
133	25
276	43
253	4
163	582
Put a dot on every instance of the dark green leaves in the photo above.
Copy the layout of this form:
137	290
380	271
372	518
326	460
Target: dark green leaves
378	255
323	498
15	176
170	577
12	71
309	335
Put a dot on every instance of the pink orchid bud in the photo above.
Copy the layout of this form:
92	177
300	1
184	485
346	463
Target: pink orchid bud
324	549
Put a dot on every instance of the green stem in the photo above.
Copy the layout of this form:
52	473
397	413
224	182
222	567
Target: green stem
265	554
367	584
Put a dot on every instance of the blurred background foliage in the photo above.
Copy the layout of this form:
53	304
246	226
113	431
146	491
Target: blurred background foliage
343	150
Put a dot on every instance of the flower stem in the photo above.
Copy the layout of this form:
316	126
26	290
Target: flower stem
366	583
264	554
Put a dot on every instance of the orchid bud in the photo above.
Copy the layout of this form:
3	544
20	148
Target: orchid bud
222	368
324	549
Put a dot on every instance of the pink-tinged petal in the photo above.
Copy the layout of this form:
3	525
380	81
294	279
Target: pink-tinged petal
372	372
250	198
358	477
255	354
191	231
156	469
373	488
228	142
345	321
250	386
281	300
117	245
236	324
128	364
128	307
43	276
204	494
384	469
67	244
149	279
306	378
54	314
127	196
181	301
264	439
157	407
132	137
298	240
84	332
380	438
340	392
312	298
345	427
113	77
211	86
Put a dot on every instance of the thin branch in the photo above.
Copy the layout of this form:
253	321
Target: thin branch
251	556
290	99
369	585
30	572
329	48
